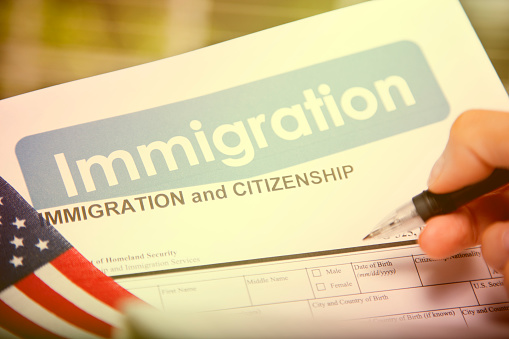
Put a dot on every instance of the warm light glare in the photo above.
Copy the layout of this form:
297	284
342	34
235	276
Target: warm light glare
47	42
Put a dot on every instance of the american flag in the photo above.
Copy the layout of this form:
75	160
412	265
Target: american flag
47	288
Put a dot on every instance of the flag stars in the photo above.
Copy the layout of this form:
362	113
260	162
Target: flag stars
18	242
19	223
16	261
42	244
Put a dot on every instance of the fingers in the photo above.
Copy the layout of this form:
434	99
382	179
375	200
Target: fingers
478	143
495	249
506	274
448	234
495	245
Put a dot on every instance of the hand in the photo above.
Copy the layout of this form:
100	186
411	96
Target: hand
478	143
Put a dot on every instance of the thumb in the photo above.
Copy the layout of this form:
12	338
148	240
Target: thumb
478	143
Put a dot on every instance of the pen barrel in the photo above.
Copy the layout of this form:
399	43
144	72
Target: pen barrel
428	204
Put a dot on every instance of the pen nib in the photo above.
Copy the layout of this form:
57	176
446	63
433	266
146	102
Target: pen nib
374	234
401	220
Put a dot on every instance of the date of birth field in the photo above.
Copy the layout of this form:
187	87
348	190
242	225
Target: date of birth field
383	280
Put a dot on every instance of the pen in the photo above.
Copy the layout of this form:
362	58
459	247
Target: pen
427	205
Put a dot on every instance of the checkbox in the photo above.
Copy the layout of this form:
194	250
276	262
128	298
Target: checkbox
320	287
316	273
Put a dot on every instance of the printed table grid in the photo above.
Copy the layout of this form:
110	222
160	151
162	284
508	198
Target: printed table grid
390	285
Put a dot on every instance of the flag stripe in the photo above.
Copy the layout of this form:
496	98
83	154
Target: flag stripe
67	289
31	310
4	334
18	325
71	299
88	277
38	291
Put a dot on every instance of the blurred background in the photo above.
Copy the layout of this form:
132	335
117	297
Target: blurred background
48	42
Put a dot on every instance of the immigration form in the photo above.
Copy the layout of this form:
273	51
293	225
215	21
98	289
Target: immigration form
242	177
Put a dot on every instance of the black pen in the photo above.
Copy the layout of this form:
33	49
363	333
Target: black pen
427	205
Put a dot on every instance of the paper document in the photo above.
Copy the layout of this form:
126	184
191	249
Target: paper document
243	176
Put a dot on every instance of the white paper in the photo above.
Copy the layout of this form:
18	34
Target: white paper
429	65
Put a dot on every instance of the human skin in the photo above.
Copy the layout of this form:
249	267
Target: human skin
478	143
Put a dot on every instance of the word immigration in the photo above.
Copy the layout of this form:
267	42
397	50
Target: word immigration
237	133
286	123
111	208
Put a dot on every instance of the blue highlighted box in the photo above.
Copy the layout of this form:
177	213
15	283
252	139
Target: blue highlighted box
236	133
